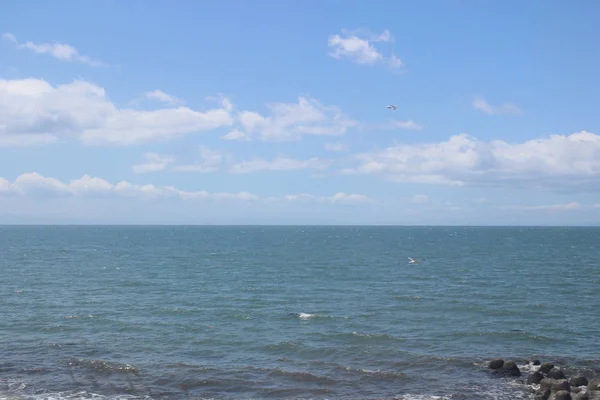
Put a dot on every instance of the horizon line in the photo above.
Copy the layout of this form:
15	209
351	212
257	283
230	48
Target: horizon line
298	225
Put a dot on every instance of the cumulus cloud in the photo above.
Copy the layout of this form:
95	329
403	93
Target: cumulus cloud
552	207
44	113
335	147
559	162
154	162
210	161
36	184
338	198
236	134
358	47
290	121
394	124
159	95
278	164
480	104
60	51
82	110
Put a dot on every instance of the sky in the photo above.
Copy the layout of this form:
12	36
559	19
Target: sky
243	112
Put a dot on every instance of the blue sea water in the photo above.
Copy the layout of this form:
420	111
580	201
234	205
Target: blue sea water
249	312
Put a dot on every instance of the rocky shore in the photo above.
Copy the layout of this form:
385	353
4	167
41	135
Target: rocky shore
549	382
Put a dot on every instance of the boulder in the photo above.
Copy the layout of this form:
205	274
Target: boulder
496	364
555	373
581	396
535	361
562	395
542	394
555	385
546	367
578	381
535	378
510	368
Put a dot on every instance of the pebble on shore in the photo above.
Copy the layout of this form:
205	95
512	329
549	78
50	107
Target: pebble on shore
552	381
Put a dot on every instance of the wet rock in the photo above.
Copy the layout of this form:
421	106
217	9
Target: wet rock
594	384
578	381
562	395
542	394
561	384
555	385
546	367
535	378
535	361
594	394
496	364
555	373
510	368
581	396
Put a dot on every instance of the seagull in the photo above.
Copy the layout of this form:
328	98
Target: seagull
391	107
413	261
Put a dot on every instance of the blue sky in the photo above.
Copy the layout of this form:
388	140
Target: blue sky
236	112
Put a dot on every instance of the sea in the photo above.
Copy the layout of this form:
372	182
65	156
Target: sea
292	312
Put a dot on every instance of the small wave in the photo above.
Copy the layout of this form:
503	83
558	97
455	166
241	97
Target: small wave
306	316
302	376
104	366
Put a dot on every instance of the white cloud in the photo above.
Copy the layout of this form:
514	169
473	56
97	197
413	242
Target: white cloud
162	96
36	184
34	108
210	161
278	164
408	124
420	198
358	47
290	121
560	162
26	140
552	207
236	134
507	108
63	52
338	198
155	162
336	147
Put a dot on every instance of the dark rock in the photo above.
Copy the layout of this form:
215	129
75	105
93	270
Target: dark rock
535	361
581	396
559	385
578	381
555	384
510	368
542	394
594	384
555	373
546	367
562	395
594	394
496	364
535	378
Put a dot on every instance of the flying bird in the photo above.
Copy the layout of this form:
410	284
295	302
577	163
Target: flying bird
391	107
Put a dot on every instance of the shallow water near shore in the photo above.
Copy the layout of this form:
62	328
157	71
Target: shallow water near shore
291	312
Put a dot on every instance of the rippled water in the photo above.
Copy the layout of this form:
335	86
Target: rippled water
290	312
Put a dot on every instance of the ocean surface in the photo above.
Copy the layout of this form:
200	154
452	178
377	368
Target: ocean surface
100	312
